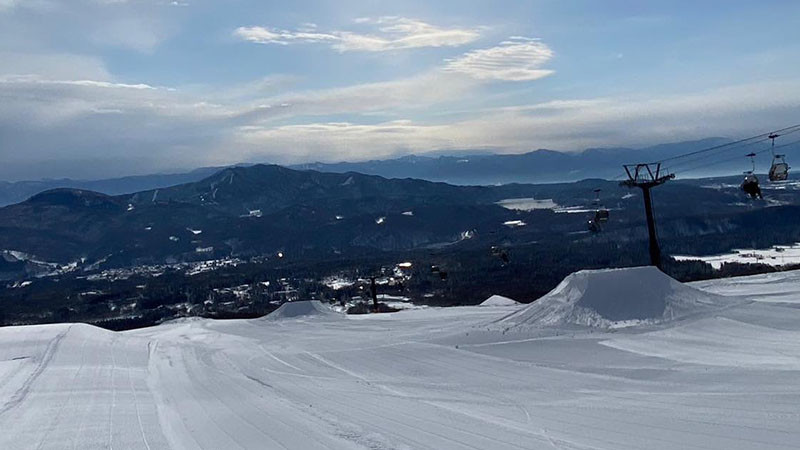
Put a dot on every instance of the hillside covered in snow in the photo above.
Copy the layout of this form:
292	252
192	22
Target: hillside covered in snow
613	359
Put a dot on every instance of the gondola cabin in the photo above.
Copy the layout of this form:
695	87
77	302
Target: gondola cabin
779	171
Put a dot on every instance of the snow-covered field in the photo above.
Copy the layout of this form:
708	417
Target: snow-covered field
685	369
528	204
779	255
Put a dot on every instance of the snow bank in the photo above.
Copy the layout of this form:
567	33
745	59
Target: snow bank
302	309
614	298
499	300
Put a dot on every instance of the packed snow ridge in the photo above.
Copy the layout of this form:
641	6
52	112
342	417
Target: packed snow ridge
499	300
302	309
614	298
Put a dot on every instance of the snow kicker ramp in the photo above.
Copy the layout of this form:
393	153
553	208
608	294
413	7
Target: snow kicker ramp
614	298
499	300
302	310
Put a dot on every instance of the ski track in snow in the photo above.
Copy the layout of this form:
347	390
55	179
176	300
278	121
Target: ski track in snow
431	378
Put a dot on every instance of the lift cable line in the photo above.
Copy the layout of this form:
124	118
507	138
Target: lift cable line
784	131
726	148
717	150
646	176
678	161
703	164
709	152
713	154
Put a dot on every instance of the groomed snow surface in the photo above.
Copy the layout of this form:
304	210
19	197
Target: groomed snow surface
615	359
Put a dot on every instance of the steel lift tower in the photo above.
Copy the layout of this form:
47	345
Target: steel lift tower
646	177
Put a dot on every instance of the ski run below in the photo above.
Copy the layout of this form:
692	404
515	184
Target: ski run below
723	374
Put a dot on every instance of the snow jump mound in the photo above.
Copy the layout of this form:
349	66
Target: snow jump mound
613	298
499	300
302	309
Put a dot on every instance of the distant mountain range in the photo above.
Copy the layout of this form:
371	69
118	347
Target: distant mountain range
248	211
540	166
305	215
15	192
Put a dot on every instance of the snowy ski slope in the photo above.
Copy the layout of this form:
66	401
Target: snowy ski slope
727	378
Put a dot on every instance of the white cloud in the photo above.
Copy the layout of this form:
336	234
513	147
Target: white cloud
432	88
401	32
351	141
85	83
79	118
37	103
388	33
562	125
518	59
261	35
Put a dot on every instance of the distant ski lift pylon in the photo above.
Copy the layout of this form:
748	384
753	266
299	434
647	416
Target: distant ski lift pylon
779	170
750	183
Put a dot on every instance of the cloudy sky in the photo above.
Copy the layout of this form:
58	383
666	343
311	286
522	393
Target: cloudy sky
101	88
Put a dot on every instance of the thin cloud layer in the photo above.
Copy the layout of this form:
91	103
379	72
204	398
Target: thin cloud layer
518	59
561	125
162	128
390	33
